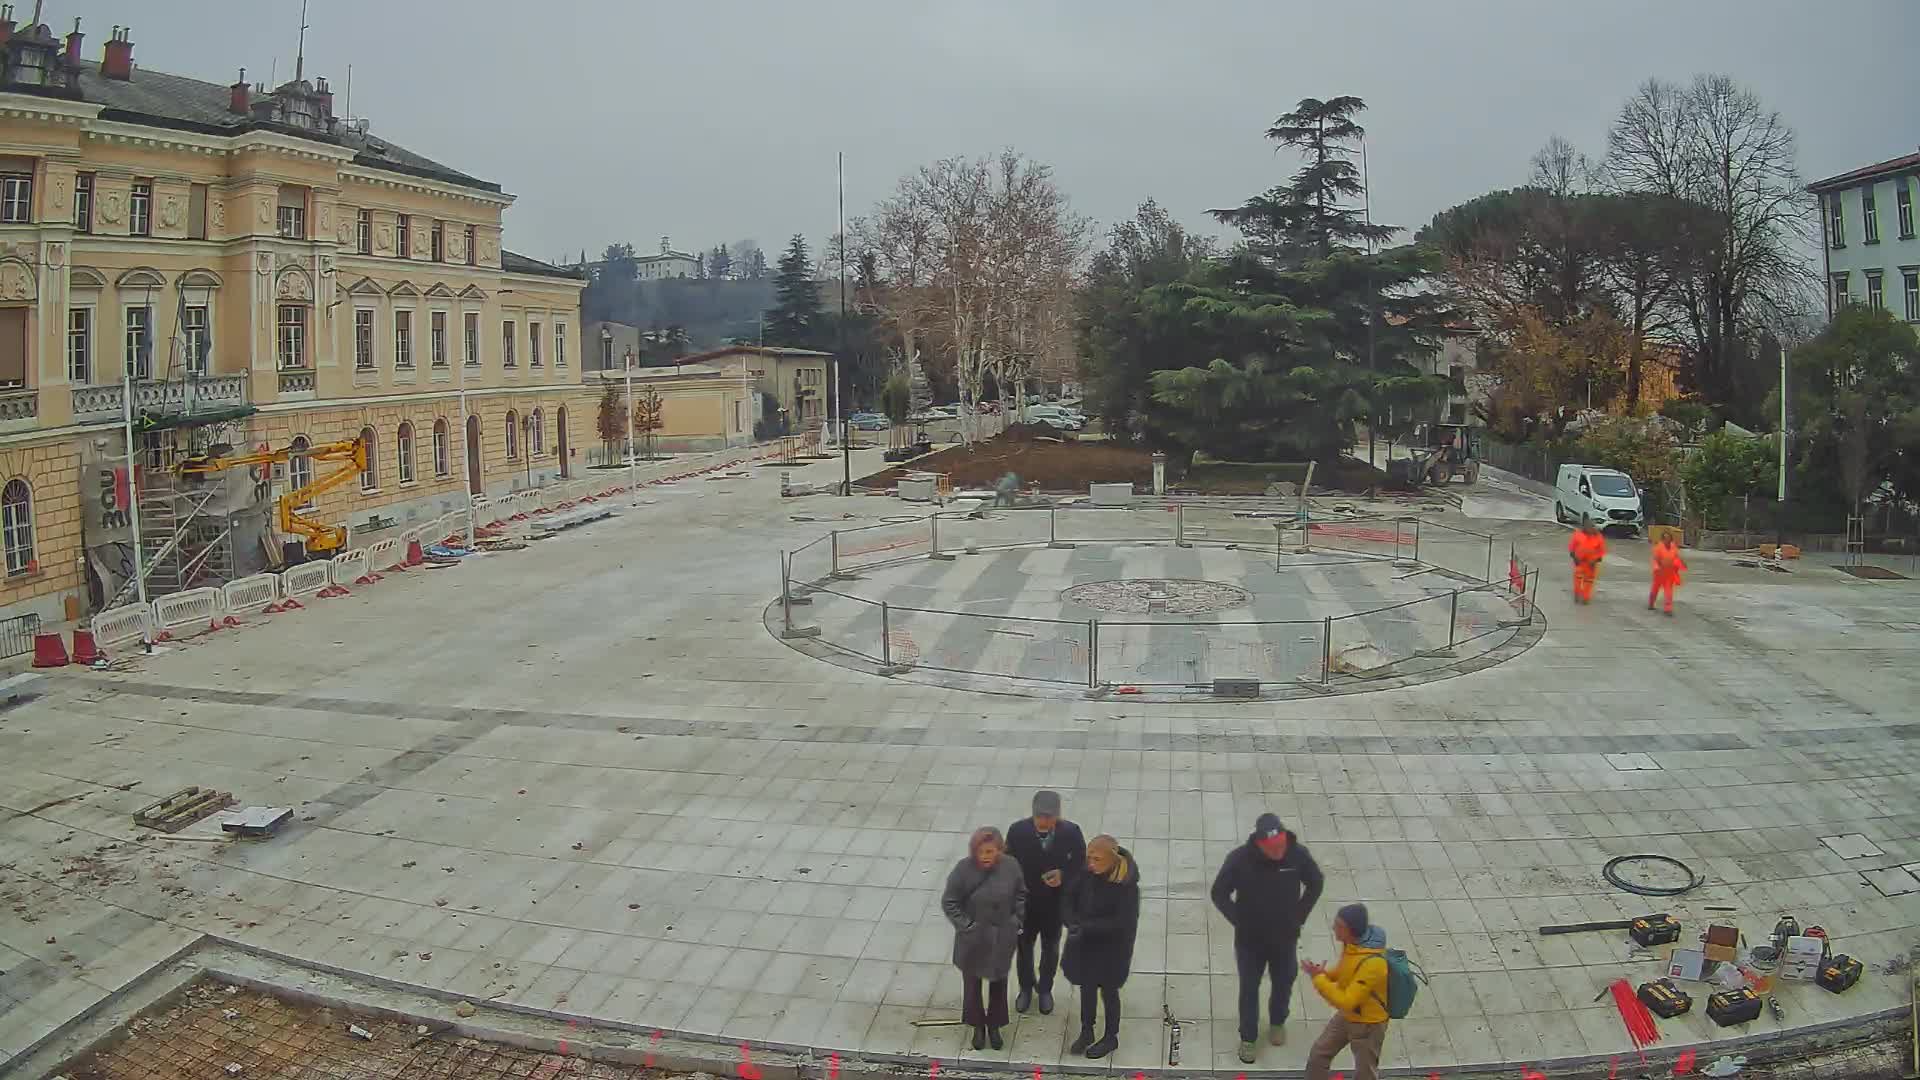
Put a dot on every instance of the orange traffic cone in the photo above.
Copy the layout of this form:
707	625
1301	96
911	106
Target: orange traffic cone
49	650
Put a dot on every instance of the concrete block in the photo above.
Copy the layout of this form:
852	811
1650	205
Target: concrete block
20	687
917	489
1111	494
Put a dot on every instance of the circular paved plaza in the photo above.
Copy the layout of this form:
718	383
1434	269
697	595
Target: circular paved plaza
585	779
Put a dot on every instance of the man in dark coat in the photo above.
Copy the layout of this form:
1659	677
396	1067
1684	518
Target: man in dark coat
1051	850
1266	888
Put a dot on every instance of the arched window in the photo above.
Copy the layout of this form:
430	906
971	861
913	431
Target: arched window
299	466
513	435
442	450
403	451
16	523
370	476
537	442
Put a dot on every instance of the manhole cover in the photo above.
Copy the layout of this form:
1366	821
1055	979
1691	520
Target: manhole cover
1174	596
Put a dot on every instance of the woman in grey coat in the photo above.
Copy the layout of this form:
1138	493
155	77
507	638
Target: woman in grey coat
985	898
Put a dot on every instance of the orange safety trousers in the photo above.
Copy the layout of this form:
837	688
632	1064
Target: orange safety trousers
1584	571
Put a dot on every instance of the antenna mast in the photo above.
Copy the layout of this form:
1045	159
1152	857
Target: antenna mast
300	51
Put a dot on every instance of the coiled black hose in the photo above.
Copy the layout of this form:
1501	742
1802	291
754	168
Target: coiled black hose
1694	880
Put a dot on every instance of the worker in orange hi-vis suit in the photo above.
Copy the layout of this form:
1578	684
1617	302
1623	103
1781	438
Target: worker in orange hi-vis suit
1586	549
1667	568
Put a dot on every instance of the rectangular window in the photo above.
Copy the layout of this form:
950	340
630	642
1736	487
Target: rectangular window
80	345
1869	215
441	464
472	236
470	332
1875	298
292	335
292	223
363	232
1910	284
363	339
1839	290
403	453
139	343
1836	221
13	347
83	202
140	209
606	354
533	344
403	340
560	344
370	476
199	341
506	344
402	236
439	242
439	342
16	197
1905	201
197	212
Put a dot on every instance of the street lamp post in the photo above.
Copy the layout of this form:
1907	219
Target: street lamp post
632	492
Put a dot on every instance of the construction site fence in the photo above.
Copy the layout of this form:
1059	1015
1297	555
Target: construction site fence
385	554
1497	597
117	626
16	634
195	608
305	580
348	567
250	594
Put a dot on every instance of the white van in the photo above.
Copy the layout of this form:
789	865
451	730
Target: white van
1608	496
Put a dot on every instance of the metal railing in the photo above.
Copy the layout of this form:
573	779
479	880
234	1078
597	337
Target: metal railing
1171	651
16	635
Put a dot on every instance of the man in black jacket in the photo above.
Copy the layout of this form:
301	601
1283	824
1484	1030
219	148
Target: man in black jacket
1050	851
1266	888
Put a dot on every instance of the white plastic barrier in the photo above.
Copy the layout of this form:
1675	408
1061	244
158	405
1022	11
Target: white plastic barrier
249	594
451	524
349	567
197	608
117	626
385	554
305	580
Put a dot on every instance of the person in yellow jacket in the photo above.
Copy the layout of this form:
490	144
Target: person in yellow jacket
1356	987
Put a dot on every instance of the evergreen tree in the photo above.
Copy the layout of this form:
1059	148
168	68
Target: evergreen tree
720	263
1300	333
796	318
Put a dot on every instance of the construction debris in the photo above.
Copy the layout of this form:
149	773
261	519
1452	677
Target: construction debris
182	808
257	820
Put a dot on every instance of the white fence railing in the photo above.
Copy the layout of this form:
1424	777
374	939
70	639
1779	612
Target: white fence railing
117	626
305	580
385	554
349	567
249	594
189	607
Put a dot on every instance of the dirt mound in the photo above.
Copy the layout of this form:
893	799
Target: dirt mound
1026	450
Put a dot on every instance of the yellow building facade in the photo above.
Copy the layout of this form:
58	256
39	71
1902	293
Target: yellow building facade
260	274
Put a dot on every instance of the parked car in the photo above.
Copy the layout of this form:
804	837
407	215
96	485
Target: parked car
869	421
1054	416
1608	496
988	408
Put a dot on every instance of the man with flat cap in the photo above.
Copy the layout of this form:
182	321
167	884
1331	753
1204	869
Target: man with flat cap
1050	850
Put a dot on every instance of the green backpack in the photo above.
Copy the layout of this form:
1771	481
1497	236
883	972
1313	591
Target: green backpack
1403	984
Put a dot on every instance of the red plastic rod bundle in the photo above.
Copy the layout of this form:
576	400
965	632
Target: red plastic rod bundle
1641	1027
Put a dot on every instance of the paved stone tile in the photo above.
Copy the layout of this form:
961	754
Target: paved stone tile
762	836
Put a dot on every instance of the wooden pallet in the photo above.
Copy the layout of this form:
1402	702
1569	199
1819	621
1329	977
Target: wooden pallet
182	808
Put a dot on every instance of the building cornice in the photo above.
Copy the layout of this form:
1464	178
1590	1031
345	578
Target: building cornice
405	182
50	110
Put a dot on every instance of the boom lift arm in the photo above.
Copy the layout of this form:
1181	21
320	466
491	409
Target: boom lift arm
320	536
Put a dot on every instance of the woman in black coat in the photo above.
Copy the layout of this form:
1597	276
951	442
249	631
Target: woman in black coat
1102	912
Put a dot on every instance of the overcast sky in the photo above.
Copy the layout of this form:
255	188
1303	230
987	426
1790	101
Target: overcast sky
715	120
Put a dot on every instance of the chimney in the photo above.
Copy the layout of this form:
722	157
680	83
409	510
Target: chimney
6	23
73	42
237	95
116	60
325	95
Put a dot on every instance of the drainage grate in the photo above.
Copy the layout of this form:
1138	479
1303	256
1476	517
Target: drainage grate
1633	763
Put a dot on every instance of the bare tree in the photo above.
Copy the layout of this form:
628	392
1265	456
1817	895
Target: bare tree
1712	144
1559	167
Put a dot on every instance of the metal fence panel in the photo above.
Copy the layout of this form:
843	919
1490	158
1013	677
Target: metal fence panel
1036	650
876	544
16	634
995	528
